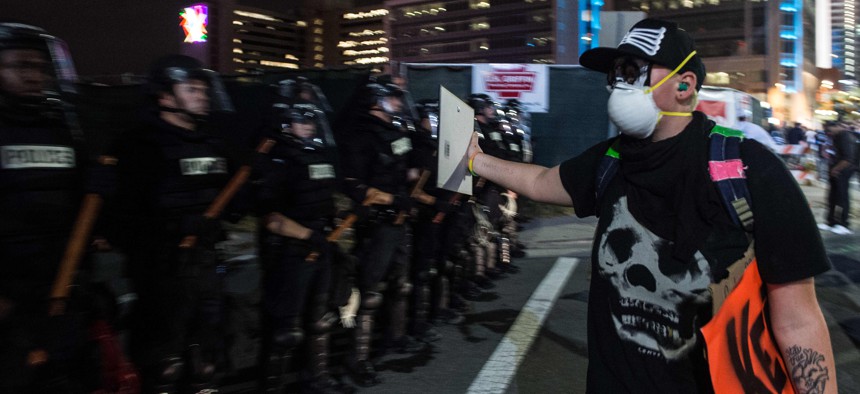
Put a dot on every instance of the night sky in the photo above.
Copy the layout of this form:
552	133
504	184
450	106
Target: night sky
109	37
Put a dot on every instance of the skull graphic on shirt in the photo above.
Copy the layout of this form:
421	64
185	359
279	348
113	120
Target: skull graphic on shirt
656	296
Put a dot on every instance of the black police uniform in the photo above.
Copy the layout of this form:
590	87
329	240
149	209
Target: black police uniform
168	176
428	274
375	153
41	184
298	181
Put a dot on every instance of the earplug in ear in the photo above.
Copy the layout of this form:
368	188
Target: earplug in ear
682	87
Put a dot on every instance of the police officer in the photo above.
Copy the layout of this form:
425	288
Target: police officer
41	184
296	201
170	170
375	159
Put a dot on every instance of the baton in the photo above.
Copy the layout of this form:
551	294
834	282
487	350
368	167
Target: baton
425	174
230	190
90	207
335	235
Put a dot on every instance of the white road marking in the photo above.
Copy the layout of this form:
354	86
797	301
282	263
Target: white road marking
500	368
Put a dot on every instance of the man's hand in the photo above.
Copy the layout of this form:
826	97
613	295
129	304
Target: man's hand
473	146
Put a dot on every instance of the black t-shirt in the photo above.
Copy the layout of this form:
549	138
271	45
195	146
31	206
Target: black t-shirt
645	308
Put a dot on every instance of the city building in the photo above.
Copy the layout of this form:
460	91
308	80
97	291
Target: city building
361	37
491	31
845	55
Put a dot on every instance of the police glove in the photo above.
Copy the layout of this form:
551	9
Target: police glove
402	203
318	241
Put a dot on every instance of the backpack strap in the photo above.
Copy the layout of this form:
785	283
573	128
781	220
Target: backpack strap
724	165
607	169
727	172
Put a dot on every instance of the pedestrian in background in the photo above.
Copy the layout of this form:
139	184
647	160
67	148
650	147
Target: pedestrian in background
842	167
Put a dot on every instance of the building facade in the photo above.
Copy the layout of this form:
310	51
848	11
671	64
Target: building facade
765	48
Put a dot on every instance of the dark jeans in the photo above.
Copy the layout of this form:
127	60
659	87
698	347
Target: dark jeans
838	199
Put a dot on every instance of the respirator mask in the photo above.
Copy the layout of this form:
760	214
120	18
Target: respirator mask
631	103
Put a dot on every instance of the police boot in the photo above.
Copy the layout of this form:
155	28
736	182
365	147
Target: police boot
402	342
444	312
361	369
202	372
321	381
276	359
421	328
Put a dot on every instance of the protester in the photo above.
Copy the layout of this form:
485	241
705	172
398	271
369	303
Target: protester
663	235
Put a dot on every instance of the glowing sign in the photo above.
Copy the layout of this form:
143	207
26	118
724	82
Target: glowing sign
194	22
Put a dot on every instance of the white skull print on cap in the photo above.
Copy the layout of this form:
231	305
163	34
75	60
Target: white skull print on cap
654	307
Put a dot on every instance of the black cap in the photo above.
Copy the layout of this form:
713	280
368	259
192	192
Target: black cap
659	41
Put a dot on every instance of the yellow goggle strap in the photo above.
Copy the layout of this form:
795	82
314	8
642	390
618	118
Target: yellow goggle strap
675	71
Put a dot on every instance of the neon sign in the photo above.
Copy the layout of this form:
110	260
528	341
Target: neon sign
194	20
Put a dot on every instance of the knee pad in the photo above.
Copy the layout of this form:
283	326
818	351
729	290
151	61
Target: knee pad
169	370
371	300
324	323
286	339
202	371
404	289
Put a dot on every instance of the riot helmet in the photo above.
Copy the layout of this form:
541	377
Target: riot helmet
304	94
428	115
304	123
177	83
486	110
36	71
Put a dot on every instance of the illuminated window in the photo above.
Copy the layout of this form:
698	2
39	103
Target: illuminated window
318	40
237	50
369	14
318	57
479	4
318	48
237	41
479	26
278	64
318	22
318	30
257	16
301	23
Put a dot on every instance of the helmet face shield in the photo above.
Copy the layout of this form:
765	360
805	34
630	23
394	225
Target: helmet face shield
306	122
58	69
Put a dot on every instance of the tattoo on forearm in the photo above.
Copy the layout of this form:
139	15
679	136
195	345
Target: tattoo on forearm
808	370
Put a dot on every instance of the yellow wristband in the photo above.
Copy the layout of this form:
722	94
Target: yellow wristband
472	163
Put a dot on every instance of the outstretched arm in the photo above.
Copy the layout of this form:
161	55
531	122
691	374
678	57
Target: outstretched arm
533	181
802	335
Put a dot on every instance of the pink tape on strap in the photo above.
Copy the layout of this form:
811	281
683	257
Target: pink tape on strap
729	169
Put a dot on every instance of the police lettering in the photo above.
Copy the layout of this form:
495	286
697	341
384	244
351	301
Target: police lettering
37	156
203	166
